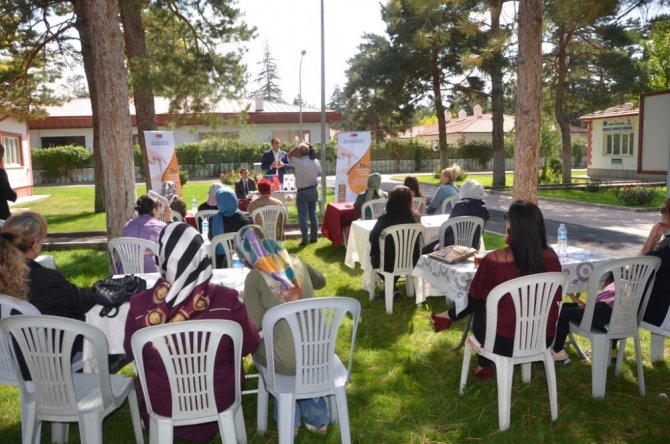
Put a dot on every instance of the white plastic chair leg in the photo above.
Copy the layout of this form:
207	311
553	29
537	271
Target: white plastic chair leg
240	429
550	371
332	409
262	407
600	357
467	354
657	347
135	415
227	428
388	292
31	428
160	431
525	372
286	415
59	432
640	369
90	428
504	373
619	357
409	285
343	413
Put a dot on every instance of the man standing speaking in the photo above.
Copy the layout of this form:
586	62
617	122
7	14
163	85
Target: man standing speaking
307	170
274	160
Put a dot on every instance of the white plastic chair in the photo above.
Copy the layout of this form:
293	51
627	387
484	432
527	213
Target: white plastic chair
464	229
405	237
657	337
227	241
272	219
58	395
631	276
129	252
204	214
419	204
7	305
176	217
314	325
188	351
533	297
372	209
448	203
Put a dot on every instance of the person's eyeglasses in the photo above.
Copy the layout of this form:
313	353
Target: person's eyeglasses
506	216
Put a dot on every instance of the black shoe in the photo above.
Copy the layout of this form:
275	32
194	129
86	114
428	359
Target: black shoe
303	243
313	241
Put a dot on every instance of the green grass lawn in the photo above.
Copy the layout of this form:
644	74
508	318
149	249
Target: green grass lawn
404	382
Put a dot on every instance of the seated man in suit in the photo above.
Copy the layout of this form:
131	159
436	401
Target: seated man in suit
275	160
245	185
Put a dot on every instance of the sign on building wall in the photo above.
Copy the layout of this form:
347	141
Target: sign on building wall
162	159
353	164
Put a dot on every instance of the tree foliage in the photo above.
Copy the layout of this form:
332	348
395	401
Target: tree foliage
657	51
268	78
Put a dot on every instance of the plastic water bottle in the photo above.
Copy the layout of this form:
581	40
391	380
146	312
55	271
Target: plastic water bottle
562	240
204	227
237	263
194	205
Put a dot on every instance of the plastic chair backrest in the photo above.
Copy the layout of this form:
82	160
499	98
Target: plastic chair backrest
372	209
464	229
129	252
271	216
176	217
7	305
46	344
227	242
204	214
448	204
188	351
314	324
533	298
419	204
405	237
632	276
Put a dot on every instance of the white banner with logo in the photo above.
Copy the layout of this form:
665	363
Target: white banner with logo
162	159
353	164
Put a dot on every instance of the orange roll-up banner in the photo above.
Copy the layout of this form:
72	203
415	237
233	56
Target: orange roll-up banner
163	164
353	164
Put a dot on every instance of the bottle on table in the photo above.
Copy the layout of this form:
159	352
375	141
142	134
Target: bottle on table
237	263
204	227
194	205
562	240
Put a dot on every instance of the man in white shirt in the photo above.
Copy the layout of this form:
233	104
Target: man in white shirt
307	171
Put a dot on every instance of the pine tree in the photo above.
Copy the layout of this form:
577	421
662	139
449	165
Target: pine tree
268	78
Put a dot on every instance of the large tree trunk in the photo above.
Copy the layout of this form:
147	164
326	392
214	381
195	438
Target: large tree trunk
145	112
99	204
529	81
99	20
439	110
564	38
497	107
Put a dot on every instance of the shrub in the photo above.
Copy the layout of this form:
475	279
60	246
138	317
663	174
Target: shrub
190	153
183	176
635	195
578	151
592	185
552	171
477	149
229	178
60	161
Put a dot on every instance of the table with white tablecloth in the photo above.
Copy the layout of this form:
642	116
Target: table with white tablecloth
437	278
358	244
114	328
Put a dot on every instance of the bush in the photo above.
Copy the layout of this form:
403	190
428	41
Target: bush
552	171
592	185
477	149
635	195
183	176
229	178
60	161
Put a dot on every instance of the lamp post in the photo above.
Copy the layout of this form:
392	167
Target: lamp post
302	55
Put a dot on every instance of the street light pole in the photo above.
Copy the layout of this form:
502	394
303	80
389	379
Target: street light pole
302	55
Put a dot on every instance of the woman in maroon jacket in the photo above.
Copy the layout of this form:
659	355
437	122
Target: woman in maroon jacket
184	292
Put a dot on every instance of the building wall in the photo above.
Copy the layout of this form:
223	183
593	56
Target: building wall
20	175
612	157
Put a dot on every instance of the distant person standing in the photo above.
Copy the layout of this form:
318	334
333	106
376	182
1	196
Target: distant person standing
274	160
6	192
307	171
245	185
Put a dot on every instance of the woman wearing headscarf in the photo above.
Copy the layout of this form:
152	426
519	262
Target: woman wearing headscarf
374	191
229	219
182	293
275	278
210	203
169	192
146	225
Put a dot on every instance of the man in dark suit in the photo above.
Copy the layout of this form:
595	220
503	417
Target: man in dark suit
275	160
245	185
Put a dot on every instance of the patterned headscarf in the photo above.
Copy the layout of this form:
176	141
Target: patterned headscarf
271	259
169	190
211	195
374	190
226	200
186	268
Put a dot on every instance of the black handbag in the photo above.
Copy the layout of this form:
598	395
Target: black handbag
111	293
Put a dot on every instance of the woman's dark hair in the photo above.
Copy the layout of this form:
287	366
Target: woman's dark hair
412	183
399	205
528	237
145	205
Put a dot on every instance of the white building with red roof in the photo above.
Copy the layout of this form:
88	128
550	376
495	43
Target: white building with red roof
251	120
15	138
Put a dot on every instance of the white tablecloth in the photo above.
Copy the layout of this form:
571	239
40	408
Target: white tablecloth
114	328
358	244
437	278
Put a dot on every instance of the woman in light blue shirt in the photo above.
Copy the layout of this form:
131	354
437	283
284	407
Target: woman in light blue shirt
447	189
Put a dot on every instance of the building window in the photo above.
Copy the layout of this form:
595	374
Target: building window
619	143
50	142
12	146
220	134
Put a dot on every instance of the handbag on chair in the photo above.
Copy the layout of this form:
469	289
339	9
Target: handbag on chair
111	293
